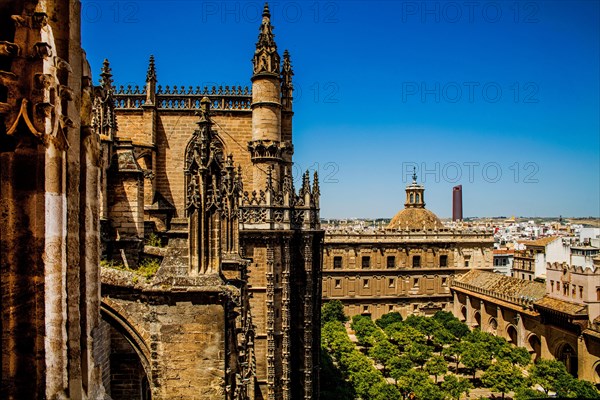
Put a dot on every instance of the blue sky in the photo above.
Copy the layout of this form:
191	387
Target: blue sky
501	97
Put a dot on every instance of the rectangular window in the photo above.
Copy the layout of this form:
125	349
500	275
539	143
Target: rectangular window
338	283
443	261
365	309
467	264
391	262
337	262
522	276
581	292
366	262
552	286
416	282
391	282
444	281
365	283
598	294
390	308
416	262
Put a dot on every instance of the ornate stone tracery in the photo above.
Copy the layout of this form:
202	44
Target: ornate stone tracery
213	187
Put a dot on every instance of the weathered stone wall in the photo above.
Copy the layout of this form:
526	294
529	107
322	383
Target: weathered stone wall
173	131
48	191
187	341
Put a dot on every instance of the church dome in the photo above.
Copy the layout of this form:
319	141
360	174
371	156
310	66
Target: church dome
415	215
415	218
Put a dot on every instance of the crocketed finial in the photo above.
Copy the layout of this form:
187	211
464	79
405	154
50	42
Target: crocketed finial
151	74
106	75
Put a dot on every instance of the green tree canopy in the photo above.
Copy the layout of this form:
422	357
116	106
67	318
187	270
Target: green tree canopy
435	366
456	351
403	335
333	384
364	327
455	386
409	381
503	377
552	376
418	353
333	310
355	361
476	357
516	355
399	366
383	351
427	390
333	336
384	391
583	390
388	318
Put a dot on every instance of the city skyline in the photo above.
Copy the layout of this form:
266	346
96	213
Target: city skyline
499	97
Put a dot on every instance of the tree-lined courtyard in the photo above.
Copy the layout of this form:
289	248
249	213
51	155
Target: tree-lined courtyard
431	358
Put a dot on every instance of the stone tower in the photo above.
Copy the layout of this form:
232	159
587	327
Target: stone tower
268	150
48	205
281	234
233	310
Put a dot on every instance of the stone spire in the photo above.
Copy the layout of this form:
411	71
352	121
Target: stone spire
151	82
266	59
106	80
287	88
104	121
151	74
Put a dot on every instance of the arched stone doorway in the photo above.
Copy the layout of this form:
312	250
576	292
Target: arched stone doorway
123	358
535	346
567	355
512	334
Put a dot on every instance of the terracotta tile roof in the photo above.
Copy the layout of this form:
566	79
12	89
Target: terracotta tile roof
541	242
504	285
562	306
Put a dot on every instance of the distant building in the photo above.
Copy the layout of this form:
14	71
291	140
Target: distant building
590	236
532	256
406	267
503	261
583	256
